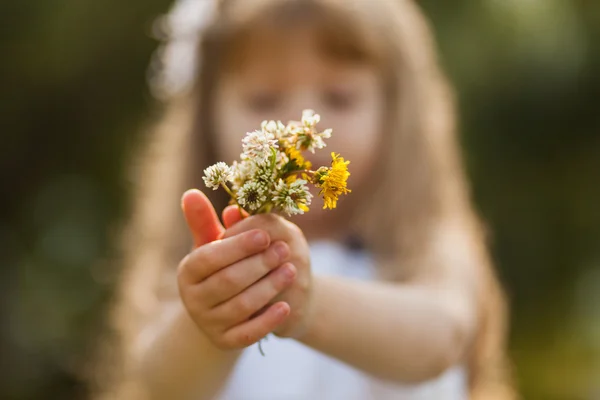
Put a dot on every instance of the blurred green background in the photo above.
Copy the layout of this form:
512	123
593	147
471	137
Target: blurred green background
74	102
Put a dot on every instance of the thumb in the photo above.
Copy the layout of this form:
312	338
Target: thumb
232	215
201	217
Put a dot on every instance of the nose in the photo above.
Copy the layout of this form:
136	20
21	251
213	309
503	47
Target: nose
303	98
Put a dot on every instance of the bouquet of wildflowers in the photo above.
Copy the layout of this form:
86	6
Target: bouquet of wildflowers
273	176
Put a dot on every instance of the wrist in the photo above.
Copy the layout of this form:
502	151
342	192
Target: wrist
313	328
177	360
191	335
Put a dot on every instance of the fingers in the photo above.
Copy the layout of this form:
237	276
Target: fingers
252	300
212	257
247	317
278	227
255	329
232	215
232	280
201	217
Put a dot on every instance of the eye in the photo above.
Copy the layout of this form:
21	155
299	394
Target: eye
340	99
264	101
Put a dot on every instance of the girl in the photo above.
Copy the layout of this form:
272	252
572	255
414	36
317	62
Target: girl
390	296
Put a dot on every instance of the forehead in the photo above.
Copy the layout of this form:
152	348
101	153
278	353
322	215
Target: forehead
295	59
286	35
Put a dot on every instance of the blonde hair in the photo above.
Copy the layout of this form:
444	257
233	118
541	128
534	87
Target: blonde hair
421	186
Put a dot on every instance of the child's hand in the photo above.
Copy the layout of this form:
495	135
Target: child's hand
299	294
228	285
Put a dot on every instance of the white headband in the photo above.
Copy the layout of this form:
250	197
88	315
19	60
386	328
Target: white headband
176	62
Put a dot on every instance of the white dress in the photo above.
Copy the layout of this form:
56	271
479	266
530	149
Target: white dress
293	371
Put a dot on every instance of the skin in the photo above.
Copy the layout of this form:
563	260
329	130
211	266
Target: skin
251	277
348	97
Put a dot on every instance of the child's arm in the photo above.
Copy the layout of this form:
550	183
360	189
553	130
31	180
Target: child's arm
406	332
190	351
179	361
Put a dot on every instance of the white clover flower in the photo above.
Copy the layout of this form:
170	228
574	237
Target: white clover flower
252	195
312	143
264	173
265	178
281	159
242	171
257	146
308	137
326	134
293	198
216	175
310	119
294	127
276	128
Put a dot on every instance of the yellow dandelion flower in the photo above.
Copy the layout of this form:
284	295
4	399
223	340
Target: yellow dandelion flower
291	179
333	181
296	156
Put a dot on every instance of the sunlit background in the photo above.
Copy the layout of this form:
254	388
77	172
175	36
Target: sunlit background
74	102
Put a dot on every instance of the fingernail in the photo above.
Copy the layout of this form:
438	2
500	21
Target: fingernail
196	205
260	239
281	310
282	250
289	272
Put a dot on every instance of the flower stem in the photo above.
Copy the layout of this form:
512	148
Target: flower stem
265	208
299	171
234	198
229	192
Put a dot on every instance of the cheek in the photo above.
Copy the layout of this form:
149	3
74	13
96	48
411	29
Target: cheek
362	154
357	137
231	124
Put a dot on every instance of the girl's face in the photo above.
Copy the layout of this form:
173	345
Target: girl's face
279	84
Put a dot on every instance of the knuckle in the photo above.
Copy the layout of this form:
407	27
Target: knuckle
269	259
286	278
206	253
245	305
278	284
278	252
249	239
193	263
227	278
